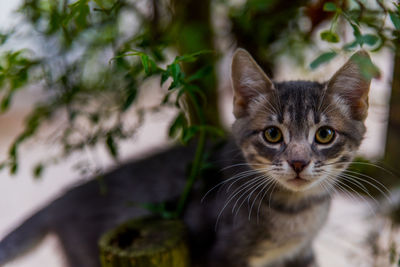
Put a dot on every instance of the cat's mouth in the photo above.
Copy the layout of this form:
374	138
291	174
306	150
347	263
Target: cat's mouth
298	181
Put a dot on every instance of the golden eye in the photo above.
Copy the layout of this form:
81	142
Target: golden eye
273	135
324	135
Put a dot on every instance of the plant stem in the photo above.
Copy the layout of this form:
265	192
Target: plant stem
194	173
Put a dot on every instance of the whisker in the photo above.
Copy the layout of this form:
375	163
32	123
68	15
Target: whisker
245	164
260	179
232	196
254	188
239	176
272	187
355	179
267	183
370	177
364	163
344	187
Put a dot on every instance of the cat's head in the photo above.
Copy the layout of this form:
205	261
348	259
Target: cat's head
301	134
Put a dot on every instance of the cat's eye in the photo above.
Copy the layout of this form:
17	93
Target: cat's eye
324	135
273	135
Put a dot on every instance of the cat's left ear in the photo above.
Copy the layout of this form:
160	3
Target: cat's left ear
351	85
249	81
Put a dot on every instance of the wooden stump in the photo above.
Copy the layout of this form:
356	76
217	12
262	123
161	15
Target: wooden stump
147	242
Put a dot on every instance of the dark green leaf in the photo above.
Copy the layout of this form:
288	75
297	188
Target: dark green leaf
38	170
145	62
13	167
164	77
369	39
368	69
325	57
330	7
176	71
178	124
5	103
200	73
330	37
131	93
112	146
189	133
192	57
350	46
356	30
395	18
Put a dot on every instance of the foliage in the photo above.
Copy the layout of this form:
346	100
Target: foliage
369	28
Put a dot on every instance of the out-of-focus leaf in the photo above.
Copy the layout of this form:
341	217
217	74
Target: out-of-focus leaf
395	18
330	36
189	133
369	39
330	7
350	46
38	170
145	62
192	57
131	93
356	30
368	69
200	73
164	77
5	103
13	167
177	125
323	58
112	146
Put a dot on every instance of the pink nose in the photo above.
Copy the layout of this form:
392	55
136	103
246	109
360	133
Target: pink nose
298	165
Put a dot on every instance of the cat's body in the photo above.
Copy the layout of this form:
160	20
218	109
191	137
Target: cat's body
275	178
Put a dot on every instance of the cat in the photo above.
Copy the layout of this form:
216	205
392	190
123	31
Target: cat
268	196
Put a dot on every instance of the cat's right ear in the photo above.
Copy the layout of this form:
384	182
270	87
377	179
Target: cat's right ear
350	85
248	80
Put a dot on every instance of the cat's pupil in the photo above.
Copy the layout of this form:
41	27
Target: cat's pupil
273	133
324	133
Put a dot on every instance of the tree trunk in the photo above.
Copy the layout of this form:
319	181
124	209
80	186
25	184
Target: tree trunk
195	33
392	153
147	242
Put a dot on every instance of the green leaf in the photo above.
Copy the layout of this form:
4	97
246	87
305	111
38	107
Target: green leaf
330	37
368	69
13	167
38	170
369	39
176	71
111	146
189	133
330	7
5	103
200	73
164	77
131	93
395	20
323	58
178	124
191	57
145	62
356	30
350	46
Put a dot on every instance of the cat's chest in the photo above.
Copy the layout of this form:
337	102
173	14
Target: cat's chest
288	234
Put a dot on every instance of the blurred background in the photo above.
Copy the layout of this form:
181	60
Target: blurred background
80	93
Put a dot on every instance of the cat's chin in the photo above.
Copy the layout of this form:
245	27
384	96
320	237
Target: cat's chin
298	184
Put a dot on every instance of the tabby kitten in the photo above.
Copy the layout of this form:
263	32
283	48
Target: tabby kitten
290	142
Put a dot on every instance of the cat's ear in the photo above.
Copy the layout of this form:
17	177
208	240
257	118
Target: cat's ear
248	80
351	85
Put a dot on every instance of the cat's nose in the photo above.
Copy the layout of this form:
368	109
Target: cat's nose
298	165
